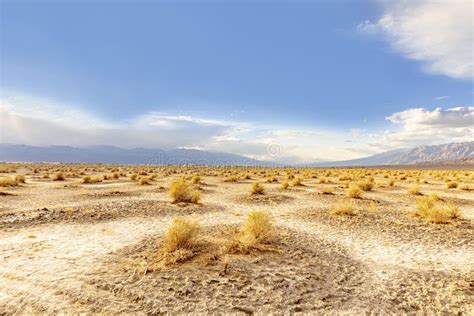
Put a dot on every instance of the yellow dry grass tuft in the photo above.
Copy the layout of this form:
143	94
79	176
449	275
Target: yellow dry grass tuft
414	190
257	189
58	176
182	234
354	191
180	191
8	182
344	208
256	232
435	212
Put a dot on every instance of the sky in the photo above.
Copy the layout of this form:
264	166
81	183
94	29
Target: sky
288	81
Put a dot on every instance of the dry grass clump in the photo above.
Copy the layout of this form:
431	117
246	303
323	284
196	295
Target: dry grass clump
91	180
115	175
144	180
180	191
19	178
354	191
196	179
58	176
391	183
452	185
256	232
373	206
323	180
182	234
327	190
257	189
284	185
133	176
436	212
231	179
344	208
367	185
271	179
465	187
414	190
8	182
297	182
46	175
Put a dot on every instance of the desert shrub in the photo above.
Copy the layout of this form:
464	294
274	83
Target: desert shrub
373	206
297	182
86	179
19	178
391	183
247	176
257	188
182	234
133	176
284	185
271	179
344	208
58	176
452	185
327	190
144	180
46	175
180	191
116	175
465	187
231	179
91	180
366	185
8	182
354	191
436	212
196	179
256	231
414	190
323	180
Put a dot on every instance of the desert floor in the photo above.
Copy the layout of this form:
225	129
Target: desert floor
69	247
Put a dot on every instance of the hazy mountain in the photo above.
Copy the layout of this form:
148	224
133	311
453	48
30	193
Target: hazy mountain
110	154
419	155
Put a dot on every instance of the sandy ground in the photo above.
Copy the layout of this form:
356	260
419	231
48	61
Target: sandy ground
67	247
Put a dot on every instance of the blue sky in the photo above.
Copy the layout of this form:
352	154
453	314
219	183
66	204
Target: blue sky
238	73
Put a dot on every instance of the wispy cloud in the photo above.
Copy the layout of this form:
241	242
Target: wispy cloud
443	97
437	33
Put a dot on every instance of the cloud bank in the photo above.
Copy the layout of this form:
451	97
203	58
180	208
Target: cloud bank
33	122
437	33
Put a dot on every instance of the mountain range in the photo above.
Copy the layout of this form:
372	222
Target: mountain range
453	153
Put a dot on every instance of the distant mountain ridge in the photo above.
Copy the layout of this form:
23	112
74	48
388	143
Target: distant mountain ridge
409	156
451	153
115	155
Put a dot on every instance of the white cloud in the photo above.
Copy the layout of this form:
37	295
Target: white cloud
443	97
417	126
437	33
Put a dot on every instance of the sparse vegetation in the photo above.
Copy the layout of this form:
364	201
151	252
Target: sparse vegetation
414	190
59	176
344	208
436	212
180	191
256	231
182	234
354	192
257	188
